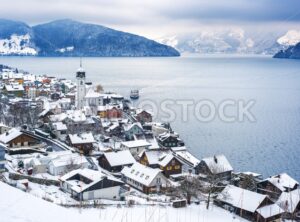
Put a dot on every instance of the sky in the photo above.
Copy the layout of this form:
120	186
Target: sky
157	18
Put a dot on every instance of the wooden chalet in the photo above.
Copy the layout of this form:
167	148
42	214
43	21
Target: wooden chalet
165	161
116	161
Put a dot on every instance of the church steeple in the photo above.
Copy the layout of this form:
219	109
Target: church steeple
81	90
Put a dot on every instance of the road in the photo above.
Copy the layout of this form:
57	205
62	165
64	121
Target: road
56	146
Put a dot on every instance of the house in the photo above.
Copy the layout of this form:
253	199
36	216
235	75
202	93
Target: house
114	112
116	161
244	203
143	116
15	138
109	111
269	213
135	147
290	203
65	163
37	166
2	158
275	185
86	184
60	130
169	140
132	130
15	89
114	129
188	160
76	121
83	142
165	161
143	178
217	166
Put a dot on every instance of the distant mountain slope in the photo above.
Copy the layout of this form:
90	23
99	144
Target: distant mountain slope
15	38
232	40
292	52
72	38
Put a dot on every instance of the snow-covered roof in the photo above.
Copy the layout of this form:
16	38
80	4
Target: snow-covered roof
82	138
59	126
218	164
166	135
186	156
128	127
155	156
139	111
241	198
58	117
289	201
76	115
10	135
269	210
136	143
164	162
65	160
283	181
14	87
92	94
119	158
94	176
140	173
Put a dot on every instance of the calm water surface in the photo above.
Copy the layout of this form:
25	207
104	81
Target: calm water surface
269	145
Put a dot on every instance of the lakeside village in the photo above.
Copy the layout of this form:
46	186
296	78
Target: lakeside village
77	146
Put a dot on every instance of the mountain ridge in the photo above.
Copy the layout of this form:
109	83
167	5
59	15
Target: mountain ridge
67	37
293	52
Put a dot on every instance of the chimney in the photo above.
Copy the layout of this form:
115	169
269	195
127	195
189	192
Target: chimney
215	159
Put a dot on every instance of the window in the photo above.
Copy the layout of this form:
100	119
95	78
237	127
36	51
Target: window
158	180
177	167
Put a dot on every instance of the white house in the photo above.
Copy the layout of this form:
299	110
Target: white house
86	184
60	130
65	163
143	178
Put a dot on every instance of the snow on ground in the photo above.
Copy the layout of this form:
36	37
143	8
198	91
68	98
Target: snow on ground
17	206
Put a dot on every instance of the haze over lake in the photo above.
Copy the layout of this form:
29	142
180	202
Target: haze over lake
269	145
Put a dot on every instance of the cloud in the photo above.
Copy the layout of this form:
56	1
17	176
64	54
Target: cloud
152	16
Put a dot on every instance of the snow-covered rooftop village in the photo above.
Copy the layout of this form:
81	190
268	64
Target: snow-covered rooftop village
69	151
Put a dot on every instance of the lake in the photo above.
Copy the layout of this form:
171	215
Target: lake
269	145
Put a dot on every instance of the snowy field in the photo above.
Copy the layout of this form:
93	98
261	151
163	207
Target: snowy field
18	206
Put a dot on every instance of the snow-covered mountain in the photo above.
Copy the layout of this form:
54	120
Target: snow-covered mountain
71	38
291	38
17	45
233	40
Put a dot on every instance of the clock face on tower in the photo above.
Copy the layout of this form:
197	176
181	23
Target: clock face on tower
80	74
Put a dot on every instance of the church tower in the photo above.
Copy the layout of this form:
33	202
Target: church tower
81	90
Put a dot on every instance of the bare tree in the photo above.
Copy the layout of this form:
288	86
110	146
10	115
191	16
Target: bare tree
99	88
189	188
71	165
213	182
248	182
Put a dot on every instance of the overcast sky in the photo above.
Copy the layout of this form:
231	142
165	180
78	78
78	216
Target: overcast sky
156	18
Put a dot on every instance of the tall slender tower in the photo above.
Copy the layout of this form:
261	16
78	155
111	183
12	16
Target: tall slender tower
81	91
